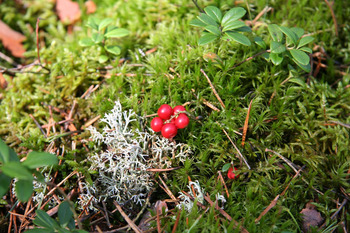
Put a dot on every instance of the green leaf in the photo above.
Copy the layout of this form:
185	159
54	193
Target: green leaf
40	159
306	68
244	29
233	25
39	230
86	42
65	214
207	38
117	32
62	230
7	153
259	41
39	176
17	170
298	31
214	13
290	34
299	81
266	56
238	37
79	231
300	56
277	47
97	37
213	29
197	23
104	23
44	220
4	184
102	59
275	32
276	58
206	19
71	224
305	49
93	23
233	15
24	189
305	40
113	49
226	167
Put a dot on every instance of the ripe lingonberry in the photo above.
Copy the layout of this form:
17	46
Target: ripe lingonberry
165	111
179	108
230	174
169	130
182	121
157	124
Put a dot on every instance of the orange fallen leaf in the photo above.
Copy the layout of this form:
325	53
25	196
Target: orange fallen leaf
90	7
12	40
68	11
3	83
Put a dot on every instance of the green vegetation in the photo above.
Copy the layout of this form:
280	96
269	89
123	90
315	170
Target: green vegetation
298	115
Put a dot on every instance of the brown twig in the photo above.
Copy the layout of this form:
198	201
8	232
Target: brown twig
193	191
167	190
198	7
333	16
162	169
158	218
127	219
213	89
90	122
245	128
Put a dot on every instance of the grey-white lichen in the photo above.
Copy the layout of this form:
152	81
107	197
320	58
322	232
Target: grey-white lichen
122	168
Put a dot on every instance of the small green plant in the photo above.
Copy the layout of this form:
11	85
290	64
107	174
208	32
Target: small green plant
286	42
227	27
102	30
48	224
11	167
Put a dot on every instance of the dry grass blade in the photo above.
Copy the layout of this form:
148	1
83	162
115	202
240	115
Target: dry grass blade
167	190
39	126
213	89
90	122
290	164
333	16
162	169
127	219
245	128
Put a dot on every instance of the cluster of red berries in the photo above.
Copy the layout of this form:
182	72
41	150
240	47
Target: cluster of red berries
169	120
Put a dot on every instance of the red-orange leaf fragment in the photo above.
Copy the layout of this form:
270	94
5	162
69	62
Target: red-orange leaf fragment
90	7
68	11
12	40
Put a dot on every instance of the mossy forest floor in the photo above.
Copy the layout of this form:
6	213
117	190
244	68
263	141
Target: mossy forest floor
297	141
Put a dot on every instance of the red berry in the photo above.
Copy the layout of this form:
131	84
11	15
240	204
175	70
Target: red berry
179	108
182	121
230	174
165	111
157	124
169	130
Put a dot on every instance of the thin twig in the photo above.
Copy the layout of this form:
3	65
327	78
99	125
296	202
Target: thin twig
234	145
223	182
37	38
213	89
290	164
39	126
198	7
193	191
162	169
127	219
250	58
176	221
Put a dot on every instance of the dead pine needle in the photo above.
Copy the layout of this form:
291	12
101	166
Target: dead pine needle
234	145
176	221
213	89
268	208
189	181
127	219
245	128
223	183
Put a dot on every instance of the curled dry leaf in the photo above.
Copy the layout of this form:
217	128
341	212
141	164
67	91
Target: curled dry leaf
311	217
68	11
12	40
90	7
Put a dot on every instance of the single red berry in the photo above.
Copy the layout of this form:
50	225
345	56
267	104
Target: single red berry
182	121
169	130
157	124
230	174
165	111
179	108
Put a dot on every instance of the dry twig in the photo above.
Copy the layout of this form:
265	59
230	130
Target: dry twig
245	128
127	219
213	89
